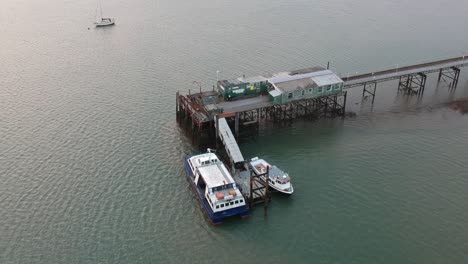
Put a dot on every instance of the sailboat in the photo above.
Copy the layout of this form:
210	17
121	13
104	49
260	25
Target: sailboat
105	21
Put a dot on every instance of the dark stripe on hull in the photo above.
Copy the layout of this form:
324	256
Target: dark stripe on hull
218	217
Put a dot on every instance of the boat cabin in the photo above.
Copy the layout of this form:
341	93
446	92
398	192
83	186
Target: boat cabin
215	181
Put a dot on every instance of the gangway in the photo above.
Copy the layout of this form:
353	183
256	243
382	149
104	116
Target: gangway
253	186
232	149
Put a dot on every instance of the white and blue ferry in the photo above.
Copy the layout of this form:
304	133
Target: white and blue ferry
215	188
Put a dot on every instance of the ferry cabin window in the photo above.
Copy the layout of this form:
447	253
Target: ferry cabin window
310	90
236	201
222	205
241	201
231	203
329	88
302	92
290	95
337	86
217	207
320	90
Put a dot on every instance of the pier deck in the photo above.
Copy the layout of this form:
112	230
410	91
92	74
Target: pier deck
245	104
208	112
396	73
226	136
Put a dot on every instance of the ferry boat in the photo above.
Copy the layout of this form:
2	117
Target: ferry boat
215	188
277	179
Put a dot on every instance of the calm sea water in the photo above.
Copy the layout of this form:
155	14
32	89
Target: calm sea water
90	153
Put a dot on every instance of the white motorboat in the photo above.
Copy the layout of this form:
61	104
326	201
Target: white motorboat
277	179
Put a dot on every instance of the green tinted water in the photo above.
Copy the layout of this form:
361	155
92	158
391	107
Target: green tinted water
90	153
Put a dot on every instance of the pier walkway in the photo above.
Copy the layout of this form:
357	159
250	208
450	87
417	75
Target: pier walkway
253	186
391	74
412	79
230	143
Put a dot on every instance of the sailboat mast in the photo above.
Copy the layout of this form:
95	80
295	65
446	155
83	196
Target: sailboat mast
100	5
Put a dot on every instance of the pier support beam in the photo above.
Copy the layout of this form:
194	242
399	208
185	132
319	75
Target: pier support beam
259	192
412	84
369	90
449	76
177	106
236	125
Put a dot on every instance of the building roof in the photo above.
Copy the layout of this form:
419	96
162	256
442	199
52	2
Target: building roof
283	77
254	79
328	79
275	92
304	79
296	84
230	83
307	70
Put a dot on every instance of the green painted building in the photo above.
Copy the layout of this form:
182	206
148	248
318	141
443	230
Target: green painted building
240	87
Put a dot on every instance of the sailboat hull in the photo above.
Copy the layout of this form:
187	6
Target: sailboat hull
105	22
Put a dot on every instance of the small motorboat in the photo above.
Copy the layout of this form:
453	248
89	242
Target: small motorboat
277	179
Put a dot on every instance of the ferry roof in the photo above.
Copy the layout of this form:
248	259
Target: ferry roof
215	175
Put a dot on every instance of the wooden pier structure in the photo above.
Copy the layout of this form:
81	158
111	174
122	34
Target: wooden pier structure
210	114
412	79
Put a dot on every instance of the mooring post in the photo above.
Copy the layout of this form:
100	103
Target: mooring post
373	95
457	75
408	80
236	125
251	193
265	184
177	106
344	103
217	130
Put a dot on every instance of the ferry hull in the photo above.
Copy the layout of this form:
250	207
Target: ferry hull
218	217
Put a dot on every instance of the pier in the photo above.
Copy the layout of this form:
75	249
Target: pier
412	79
238	106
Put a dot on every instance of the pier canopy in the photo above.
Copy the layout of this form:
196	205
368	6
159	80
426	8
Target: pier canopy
229	142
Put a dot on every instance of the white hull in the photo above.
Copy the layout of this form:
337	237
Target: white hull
278	179
105	22
288	191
